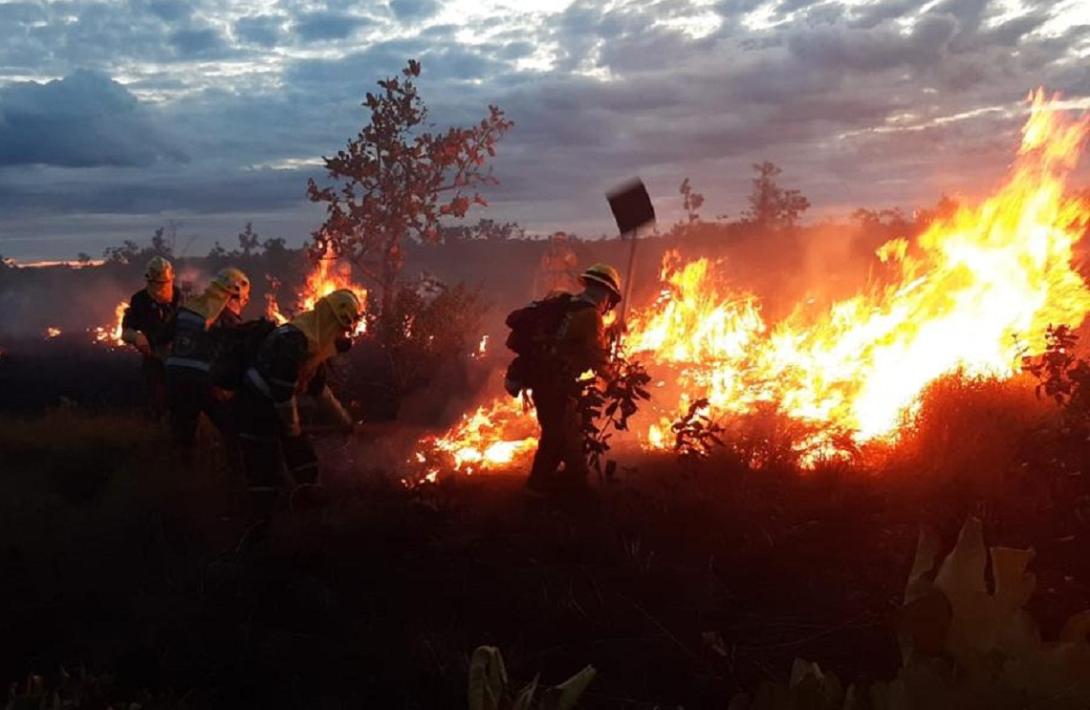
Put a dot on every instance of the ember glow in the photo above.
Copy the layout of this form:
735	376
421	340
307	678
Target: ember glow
327	276
962	296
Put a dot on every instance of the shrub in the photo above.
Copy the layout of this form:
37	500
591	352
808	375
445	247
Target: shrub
489	688
964	645
972	431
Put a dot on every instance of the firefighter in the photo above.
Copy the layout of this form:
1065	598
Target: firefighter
570	339
197	334
146	327
292	361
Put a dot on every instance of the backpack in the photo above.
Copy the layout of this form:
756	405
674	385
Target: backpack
236	351
534	327
533	332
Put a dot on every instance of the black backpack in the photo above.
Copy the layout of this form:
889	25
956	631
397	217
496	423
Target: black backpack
236	351
534	328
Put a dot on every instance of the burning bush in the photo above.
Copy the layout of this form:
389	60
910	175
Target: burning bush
972	431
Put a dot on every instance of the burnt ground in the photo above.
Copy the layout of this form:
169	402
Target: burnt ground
680	586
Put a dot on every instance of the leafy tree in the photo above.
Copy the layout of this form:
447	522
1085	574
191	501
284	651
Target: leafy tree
771	206
83	258
127	253
164	239
493	231
396	178
248	240
692	200
275	247
217	251
893	220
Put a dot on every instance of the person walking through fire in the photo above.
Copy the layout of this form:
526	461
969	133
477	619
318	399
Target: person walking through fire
292	361
197	336
146	327
557	339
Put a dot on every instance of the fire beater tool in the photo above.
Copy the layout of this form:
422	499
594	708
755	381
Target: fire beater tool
632	209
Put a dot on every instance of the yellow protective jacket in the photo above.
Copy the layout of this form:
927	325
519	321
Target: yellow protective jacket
581	342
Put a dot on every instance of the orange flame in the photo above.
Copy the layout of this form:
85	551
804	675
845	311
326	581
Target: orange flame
327	276
493	437
963	296
110	335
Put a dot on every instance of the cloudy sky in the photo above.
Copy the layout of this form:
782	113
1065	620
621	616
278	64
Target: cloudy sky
117	115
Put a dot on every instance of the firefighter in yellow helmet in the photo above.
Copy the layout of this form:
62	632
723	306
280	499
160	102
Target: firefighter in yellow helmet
198	330
557	339
289	363
146	327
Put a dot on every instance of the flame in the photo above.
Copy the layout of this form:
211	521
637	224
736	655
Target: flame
110	335
493	437
962	296
52	332
974	283
327	276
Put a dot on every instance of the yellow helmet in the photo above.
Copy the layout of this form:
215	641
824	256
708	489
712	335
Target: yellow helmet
605	275
346	307
233	281
159	270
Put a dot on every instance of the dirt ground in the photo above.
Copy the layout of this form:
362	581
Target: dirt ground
680	586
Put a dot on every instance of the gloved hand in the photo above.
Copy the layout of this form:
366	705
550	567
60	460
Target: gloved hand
137	339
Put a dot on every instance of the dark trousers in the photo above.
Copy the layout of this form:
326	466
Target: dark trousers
155	386
269	457
561	439
188	395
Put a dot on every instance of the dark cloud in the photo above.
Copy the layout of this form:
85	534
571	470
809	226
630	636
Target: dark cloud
165	191
81	121
874	50
875	13
170	10
1011	32
317	26
808	94
265	30
197	42
355	71
414	9
516	50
